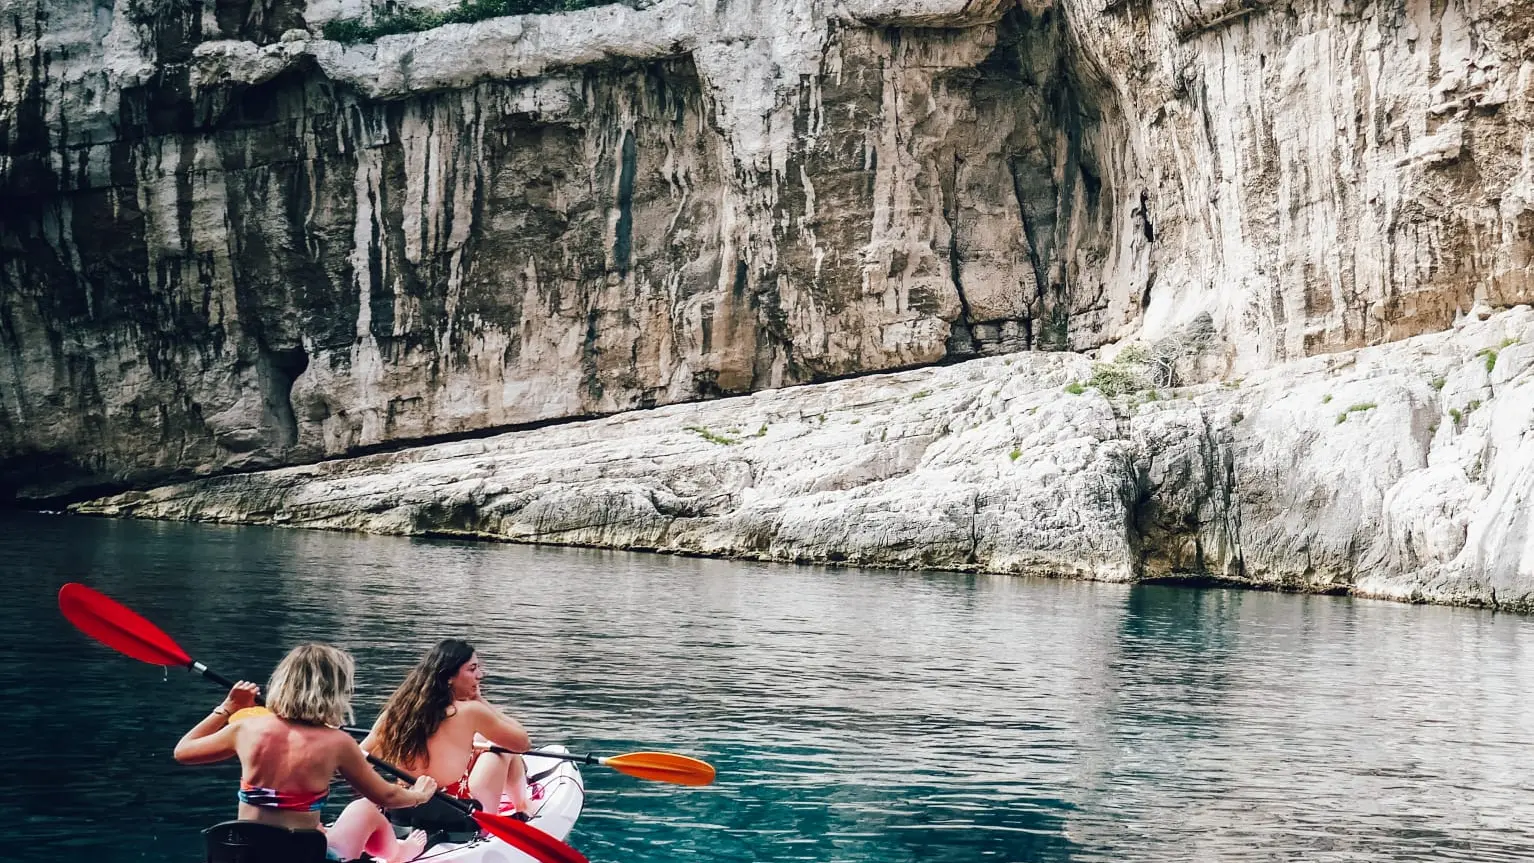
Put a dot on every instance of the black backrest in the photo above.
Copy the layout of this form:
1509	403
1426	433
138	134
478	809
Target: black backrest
250	842
435	814
442	821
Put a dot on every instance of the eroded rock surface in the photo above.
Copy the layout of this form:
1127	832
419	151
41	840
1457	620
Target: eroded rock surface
228	244
1398	471
232	248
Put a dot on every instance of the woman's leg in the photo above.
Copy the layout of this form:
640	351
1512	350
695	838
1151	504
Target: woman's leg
516	783
362	828
495	773
487	779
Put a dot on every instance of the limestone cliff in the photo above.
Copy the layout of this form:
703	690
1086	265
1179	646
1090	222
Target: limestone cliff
229	244
230	248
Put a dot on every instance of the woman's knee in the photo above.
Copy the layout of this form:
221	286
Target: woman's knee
359	819
359	809
491	763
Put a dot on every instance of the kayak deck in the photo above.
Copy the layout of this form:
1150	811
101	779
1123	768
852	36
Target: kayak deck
558	790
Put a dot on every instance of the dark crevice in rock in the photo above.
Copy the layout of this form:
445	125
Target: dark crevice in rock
1020	196
1209	579
1186	523
55	480
1228	506
960	340
1148	229
279	369
623	240
28	480
591	375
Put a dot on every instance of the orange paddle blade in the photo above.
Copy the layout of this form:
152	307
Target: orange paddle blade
119	627
528	839
662	767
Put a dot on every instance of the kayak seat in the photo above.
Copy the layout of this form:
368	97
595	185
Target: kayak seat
442	822
250	842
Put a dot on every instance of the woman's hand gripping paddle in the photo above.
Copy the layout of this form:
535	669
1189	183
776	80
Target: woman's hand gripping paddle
125	631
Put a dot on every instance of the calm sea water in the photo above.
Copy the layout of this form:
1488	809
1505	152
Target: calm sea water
854	716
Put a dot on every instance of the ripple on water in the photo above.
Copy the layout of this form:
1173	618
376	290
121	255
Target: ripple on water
854	716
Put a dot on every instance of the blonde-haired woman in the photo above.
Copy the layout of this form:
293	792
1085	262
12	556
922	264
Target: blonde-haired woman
287	757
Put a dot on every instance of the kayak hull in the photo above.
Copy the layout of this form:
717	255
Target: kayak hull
558	790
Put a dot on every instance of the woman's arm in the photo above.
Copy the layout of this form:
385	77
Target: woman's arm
499	728
355	769
371	740
212	739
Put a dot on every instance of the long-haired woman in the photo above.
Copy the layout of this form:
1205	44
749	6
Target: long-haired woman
288	756
430	723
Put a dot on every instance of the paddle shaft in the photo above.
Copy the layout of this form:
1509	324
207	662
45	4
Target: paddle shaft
385	766
562	756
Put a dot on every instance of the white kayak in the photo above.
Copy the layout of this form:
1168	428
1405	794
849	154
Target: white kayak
558	791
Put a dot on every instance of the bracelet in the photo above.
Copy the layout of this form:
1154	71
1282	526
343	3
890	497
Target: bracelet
221	711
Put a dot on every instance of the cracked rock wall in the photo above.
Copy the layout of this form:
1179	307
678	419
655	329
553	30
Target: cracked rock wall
226	244
1322	176
236	246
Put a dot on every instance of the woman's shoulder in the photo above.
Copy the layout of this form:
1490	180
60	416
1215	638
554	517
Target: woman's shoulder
468	707
274	724
467	714
258	725
331	733
333	741
323	734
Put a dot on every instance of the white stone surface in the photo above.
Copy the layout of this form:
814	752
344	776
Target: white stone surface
1341	473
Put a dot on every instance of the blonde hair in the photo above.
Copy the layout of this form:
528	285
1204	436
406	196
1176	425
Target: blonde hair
313	684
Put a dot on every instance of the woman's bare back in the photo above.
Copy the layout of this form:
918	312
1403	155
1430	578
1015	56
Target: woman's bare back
300	759
451	748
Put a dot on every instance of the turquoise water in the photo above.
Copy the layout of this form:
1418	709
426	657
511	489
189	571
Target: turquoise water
853	715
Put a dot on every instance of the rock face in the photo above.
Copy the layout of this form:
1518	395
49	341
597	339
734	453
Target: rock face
226	244
1398	471
1323	177
233	249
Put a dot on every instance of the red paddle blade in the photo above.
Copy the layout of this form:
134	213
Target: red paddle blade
528	839
118	627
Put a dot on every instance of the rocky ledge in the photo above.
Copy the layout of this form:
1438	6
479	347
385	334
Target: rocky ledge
1395	471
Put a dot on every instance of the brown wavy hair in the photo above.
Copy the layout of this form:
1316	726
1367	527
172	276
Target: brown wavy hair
416	709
